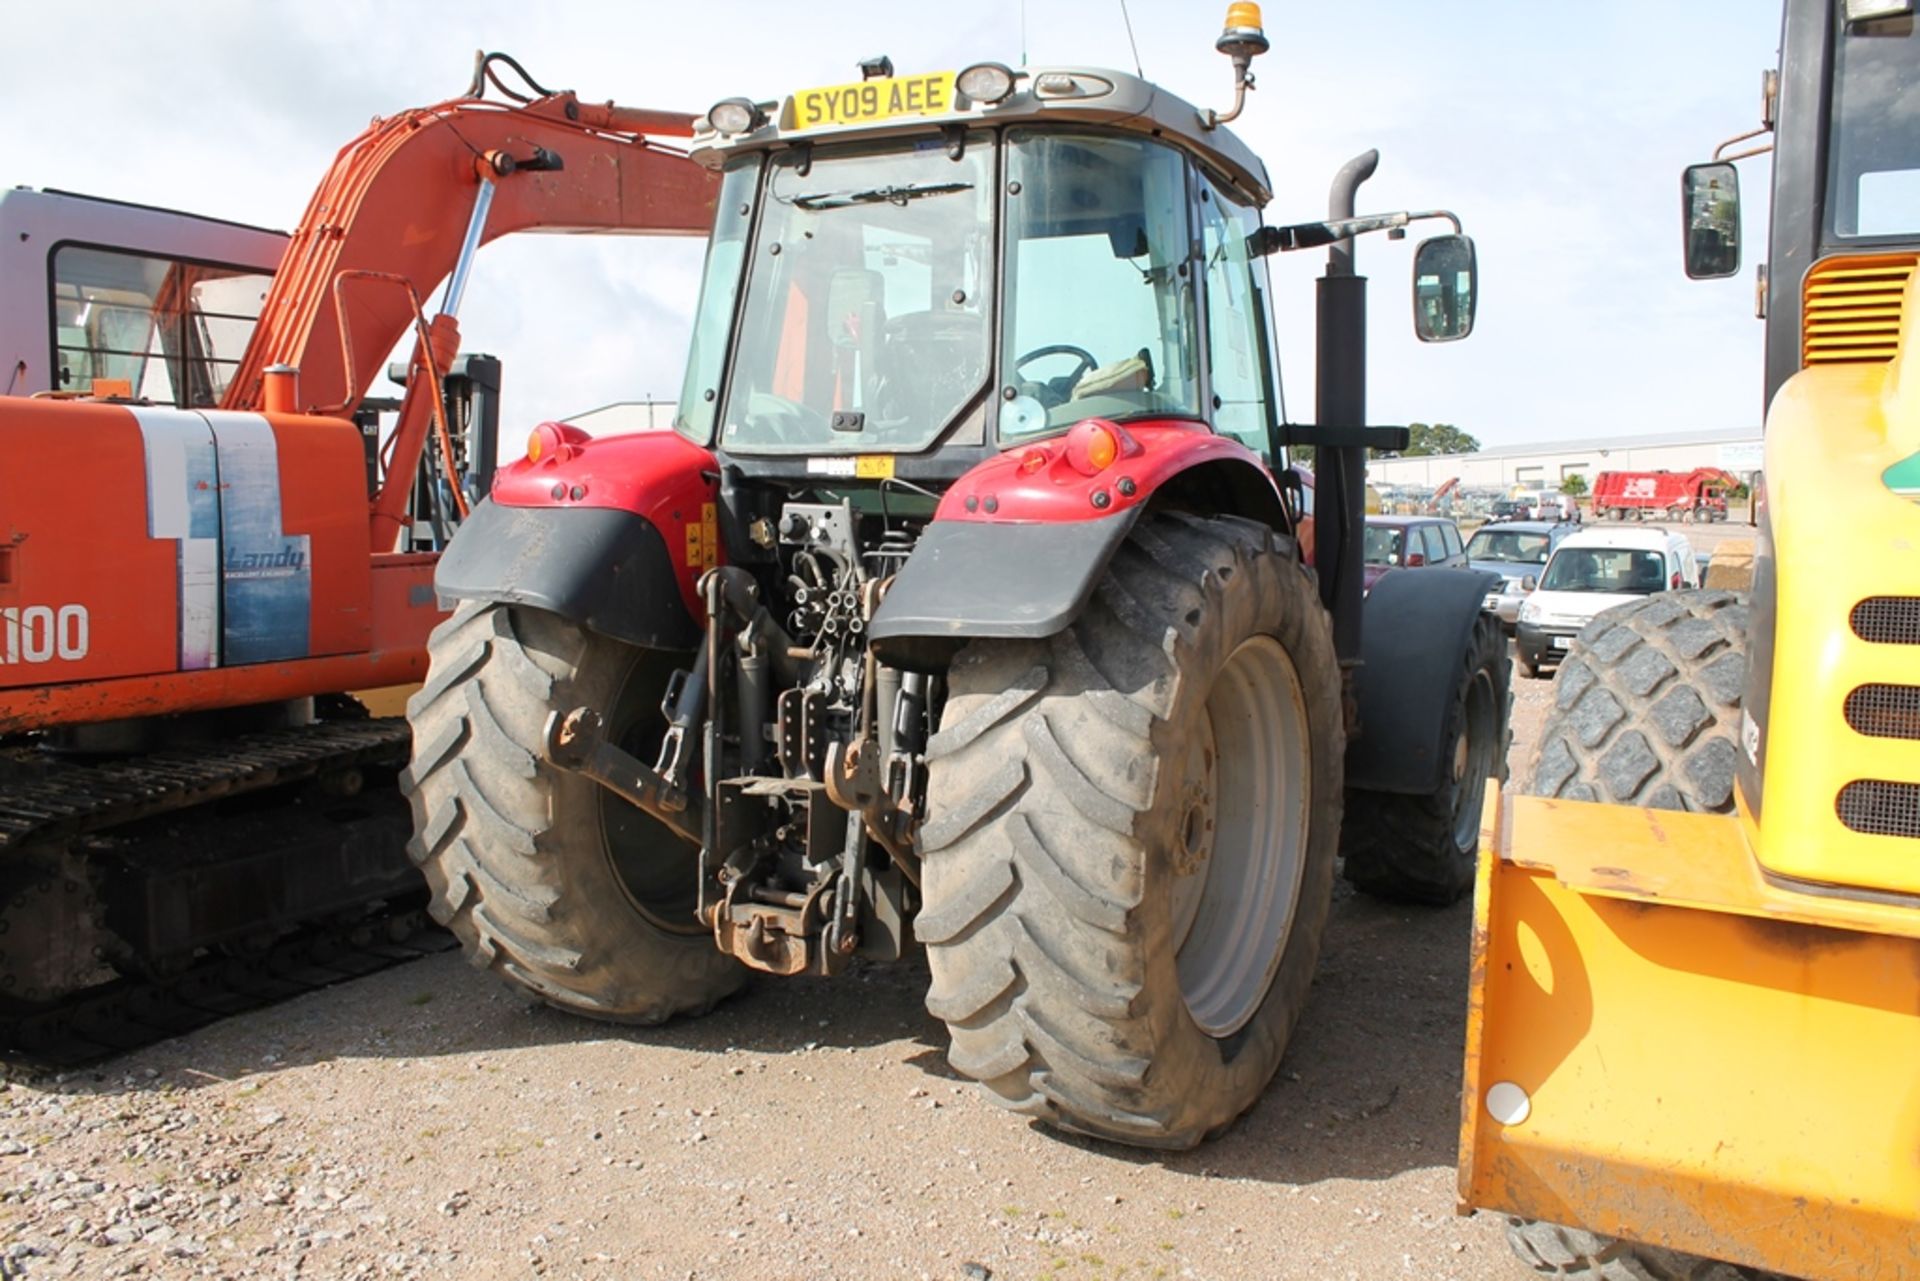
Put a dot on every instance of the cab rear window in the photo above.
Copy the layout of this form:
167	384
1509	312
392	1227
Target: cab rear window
174	331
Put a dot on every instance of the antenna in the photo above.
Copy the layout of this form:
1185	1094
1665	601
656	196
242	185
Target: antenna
1128	19
1023	33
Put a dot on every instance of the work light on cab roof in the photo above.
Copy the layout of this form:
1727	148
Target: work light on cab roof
985	82
1243	40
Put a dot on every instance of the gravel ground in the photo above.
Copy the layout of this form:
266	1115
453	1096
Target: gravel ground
424	1123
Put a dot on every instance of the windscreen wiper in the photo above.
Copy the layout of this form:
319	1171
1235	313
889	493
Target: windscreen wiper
874	195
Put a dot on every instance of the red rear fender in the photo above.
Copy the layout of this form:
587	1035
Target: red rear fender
1059	479
659	475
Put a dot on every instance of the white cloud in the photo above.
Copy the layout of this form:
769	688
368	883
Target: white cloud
1556	131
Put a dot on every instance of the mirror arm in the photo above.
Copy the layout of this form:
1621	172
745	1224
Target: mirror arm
1750	152
1314	235
1720	152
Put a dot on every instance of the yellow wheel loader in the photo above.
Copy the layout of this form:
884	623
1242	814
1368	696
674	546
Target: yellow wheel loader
1693	1043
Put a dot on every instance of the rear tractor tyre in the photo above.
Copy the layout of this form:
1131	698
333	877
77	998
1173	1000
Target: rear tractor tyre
1646	713
1647	706
1131	837
1422	849
547	879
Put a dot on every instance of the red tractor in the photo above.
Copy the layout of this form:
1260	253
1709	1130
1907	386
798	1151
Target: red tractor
963	608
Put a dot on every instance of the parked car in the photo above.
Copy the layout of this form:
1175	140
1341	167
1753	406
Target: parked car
1517	550
1592	571
1536	504
1410	542
1556	506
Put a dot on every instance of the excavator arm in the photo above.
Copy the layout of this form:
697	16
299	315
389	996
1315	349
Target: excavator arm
391	218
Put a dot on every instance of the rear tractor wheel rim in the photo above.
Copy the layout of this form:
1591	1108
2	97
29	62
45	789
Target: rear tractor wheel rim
1473	762
1241	842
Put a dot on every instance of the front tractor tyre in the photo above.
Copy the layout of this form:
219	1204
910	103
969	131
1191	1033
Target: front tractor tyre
548	880
1130	839
1422	848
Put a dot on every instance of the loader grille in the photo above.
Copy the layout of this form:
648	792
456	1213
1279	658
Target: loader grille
1888	620
1885	711
1875	807
1852	308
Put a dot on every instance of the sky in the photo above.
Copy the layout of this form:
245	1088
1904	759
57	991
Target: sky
1556	131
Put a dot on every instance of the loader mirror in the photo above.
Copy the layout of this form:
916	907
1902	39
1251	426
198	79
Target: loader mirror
1445	288
1710	205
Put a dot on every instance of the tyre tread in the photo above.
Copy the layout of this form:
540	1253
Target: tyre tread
505	877
1039	792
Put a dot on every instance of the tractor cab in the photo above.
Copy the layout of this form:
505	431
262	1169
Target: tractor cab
920	270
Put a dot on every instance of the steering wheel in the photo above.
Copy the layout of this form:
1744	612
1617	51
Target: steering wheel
1085	357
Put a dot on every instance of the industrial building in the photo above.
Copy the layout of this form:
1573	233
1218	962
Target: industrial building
1545	464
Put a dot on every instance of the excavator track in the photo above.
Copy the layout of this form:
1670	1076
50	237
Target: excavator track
130	1013
145	897
42	800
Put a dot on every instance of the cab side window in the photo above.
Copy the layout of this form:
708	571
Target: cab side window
1236	319
1450	535
173	330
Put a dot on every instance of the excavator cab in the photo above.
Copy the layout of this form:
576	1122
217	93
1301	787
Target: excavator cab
1695	1010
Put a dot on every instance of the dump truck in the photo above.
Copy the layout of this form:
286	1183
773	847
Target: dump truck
1693	1038
963	610
195	813
1697	495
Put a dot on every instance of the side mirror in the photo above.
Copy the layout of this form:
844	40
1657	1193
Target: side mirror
1710	209
1445	288
1416	559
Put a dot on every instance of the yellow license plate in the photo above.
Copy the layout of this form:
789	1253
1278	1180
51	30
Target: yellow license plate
872	100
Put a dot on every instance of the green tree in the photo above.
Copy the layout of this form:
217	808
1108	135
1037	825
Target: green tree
1573	484
1437	438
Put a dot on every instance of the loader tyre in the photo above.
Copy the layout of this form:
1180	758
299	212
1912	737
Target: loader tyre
1130	840
1646	713
549	881
1422	849
1555	1251
1647	706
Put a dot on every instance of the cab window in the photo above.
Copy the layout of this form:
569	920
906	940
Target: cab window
1100	298
1236	315
1874	186
173	330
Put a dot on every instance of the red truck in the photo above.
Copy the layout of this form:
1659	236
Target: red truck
1698	495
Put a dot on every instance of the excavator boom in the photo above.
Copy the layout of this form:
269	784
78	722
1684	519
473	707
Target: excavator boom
408	200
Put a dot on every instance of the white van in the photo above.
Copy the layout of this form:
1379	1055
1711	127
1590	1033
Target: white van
1592	571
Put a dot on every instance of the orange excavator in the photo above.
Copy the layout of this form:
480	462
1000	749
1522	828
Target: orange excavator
195	815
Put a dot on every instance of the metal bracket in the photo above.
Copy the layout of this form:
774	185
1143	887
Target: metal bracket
1395	438
575	741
